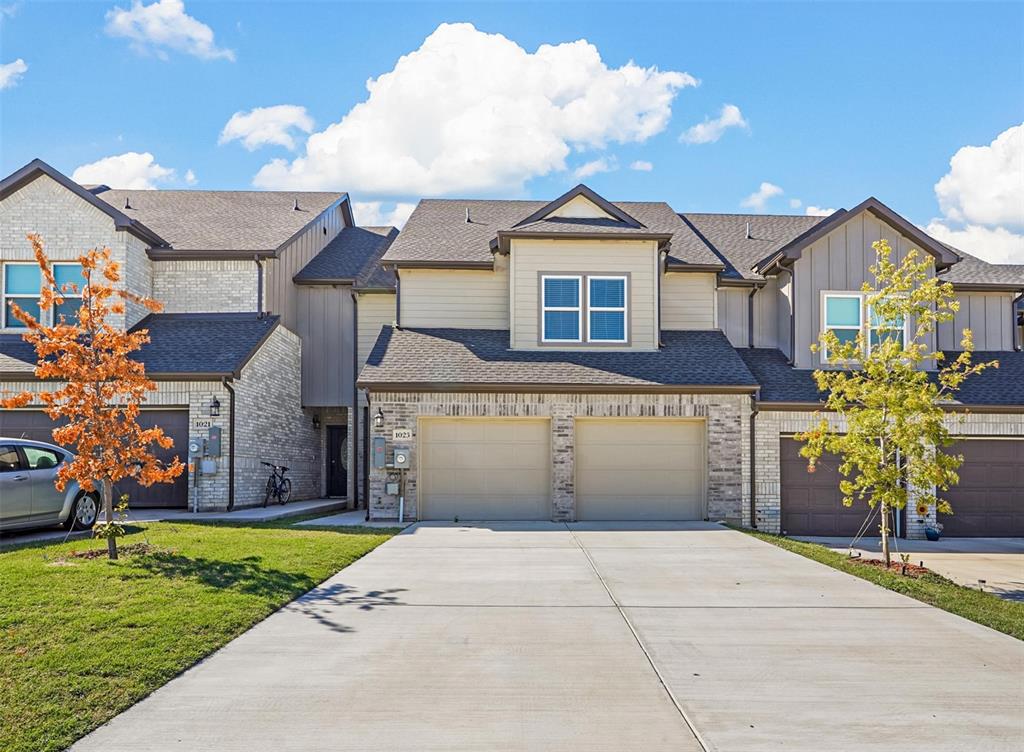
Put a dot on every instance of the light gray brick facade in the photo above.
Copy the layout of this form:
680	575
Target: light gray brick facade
726	417
206	285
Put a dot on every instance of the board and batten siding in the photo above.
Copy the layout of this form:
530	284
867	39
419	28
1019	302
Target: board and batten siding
733	315
280	294
838	262
325	327
373	311
687	301
456	298
532	257
989	316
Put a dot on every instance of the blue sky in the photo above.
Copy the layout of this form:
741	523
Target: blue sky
834	102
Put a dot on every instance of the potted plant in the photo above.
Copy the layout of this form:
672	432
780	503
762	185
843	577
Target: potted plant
933	531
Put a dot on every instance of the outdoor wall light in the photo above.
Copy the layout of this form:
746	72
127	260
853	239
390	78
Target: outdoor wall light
214	407
378	419
316	421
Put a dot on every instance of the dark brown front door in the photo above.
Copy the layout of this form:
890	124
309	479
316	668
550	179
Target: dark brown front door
989	500
337	460
811	502
37	426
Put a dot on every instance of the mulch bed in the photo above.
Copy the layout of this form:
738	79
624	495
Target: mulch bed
132	549
896	567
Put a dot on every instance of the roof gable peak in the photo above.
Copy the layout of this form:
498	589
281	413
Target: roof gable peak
581	202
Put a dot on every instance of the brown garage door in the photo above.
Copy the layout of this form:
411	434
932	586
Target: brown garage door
811	502
36	425
989	500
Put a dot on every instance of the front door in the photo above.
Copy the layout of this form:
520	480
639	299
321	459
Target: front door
337	460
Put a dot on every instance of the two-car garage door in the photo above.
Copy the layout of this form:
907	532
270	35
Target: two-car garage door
500	469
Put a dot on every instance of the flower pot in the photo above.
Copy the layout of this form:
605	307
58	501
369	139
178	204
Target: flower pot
932	534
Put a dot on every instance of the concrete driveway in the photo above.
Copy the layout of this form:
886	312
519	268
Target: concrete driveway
592	637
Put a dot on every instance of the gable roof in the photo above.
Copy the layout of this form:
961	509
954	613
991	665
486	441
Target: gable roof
726	235
580	190
352	258
793	250
438	233
224	223
972	272
37	167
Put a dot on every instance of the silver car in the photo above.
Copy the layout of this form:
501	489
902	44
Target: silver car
28	494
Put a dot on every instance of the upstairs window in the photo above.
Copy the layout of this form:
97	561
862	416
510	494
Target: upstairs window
843	316
70	275
880	330
562	314
21	285
606	309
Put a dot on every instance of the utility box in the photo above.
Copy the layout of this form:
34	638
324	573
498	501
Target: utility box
208	466
391	489
196	445
213	442
402	459
379	455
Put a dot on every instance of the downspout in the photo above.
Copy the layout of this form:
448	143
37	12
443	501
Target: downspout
398	299
259	286
355	398
792	314
662	262
1016	322
231	442
366	459
750	317
753	462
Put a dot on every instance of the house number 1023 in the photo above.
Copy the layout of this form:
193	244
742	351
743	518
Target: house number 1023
401	434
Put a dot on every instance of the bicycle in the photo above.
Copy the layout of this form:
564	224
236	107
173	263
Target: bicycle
277	485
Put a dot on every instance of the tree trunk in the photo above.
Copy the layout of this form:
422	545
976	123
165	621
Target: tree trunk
885	534
107	490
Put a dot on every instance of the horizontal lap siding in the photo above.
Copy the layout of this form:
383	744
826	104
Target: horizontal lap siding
530	258
687	301
374	310
461	299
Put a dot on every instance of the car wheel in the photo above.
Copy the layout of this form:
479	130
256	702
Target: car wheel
83	512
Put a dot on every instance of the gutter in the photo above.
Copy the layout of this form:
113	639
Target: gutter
556	388
231	442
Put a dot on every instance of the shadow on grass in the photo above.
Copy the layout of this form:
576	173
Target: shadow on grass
242	575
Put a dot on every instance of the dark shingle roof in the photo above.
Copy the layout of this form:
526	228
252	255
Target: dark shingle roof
438	231
447	357
352	257
973	271
781	382
221	220
726	234
202	343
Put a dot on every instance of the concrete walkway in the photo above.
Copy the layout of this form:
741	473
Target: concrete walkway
995	565
591	637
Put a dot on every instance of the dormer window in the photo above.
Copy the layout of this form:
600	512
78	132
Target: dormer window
584	308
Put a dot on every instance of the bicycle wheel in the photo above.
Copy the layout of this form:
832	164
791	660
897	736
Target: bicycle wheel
284	494
271	491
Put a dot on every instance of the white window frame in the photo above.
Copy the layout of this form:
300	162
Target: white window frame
4	297
870	328
578	308
66	295
825	296
623	309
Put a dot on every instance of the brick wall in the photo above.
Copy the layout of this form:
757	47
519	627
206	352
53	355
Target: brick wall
726	418
205	285
771	425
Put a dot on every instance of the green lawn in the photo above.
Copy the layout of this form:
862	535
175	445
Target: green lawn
83	639
983	608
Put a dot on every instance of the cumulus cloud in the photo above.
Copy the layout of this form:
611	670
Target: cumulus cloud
712	128
190	178
982	199
817	211
795	203
642	165
593	167
164	25
11	73
472	112
985	184
261	126
760	198
373	213
132	170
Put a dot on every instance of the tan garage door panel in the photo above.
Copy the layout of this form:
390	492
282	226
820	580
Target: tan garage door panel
485	469
640	469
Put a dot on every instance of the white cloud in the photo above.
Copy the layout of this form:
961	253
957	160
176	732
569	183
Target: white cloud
267	125
712	129
11	73
9	10
997	245
164	25
761	196
985	184
472	112
642	165
373	213
593	167
795	203
817	211
129	170
190	178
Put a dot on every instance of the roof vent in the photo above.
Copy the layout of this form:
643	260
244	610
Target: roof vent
127	203
468	220
296	206
749	236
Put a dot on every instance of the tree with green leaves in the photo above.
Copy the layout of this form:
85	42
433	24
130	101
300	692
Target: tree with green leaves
895	424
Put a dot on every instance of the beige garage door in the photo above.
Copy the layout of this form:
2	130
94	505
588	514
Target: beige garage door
642	469
485	469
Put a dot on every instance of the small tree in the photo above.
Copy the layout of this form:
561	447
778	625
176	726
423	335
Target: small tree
895	424
101	387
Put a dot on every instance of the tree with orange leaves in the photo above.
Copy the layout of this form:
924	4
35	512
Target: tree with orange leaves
102	387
